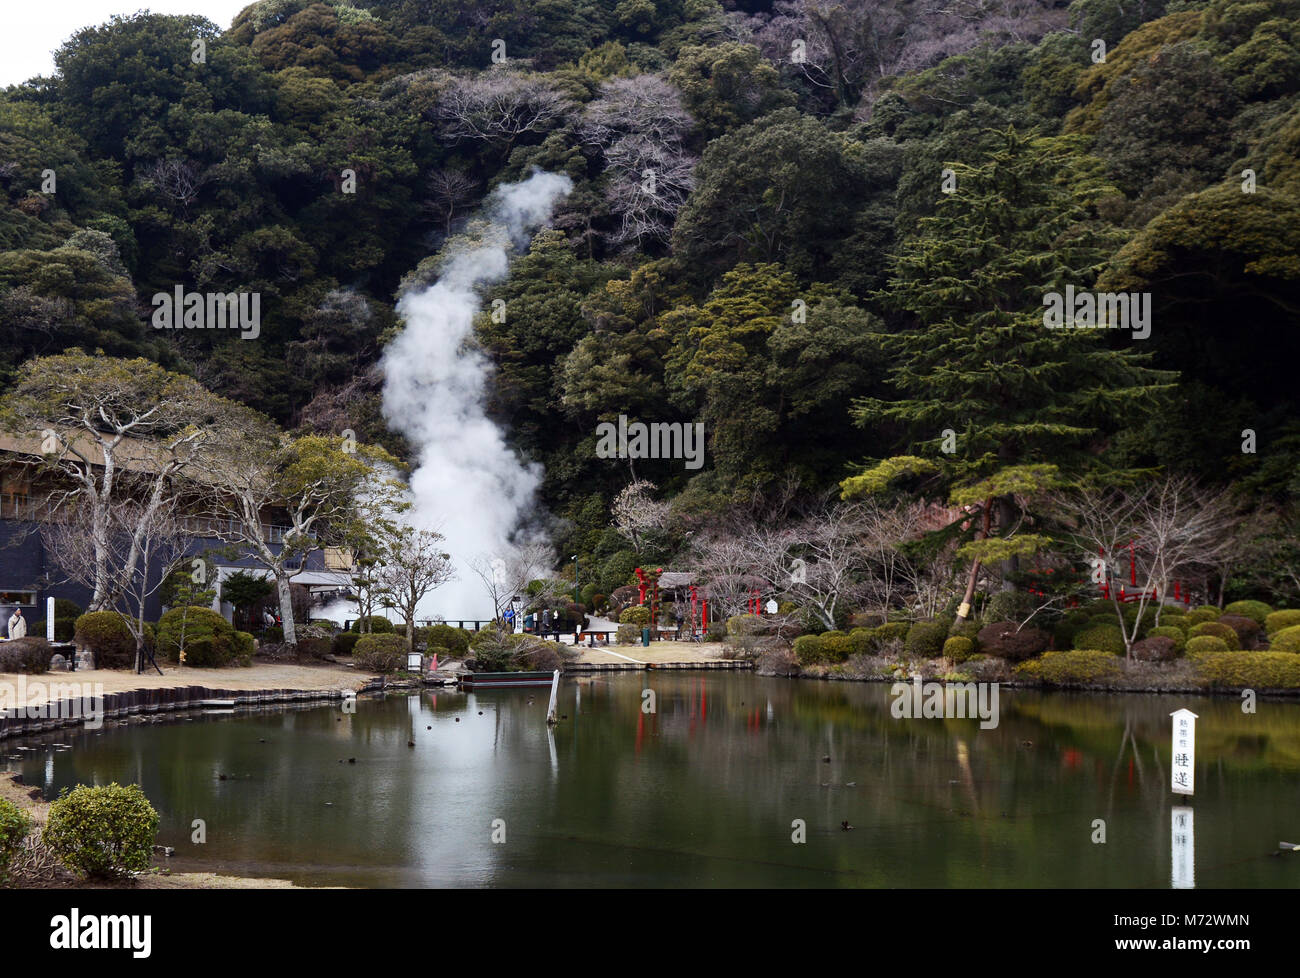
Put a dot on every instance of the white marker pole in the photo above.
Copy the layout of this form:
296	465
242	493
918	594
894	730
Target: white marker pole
49	619
1182	851
555	693
1183	771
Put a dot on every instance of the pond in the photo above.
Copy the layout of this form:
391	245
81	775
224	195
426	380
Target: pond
706	790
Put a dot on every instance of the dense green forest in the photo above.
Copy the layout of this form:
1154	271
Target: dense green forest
793	274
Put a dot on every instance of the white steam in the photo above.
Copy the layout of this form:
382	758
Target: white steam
467	483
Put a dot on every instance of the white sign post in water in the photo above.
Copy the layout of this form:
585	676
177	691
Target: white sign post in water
1183	779
555	693
1182	851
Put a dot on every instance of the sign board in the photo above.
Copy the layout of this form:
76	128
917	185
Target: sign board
1182	851
772	606
414	661
1183	777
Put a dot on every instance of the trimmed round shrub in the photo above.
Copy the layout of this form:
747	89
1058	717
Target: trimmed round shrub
208	639
1206	612
1067	626
1206	643
1287	640
1171	632
1105	638
808	649
1000	638
380	653
106	635
454	640
1278	620
1075	667
1218	630
925	639
958	648
30	655
14	826
245	645
343	642
1256	611
1155	648
1247	629
379	625
1249	670
637	614
716	632
892	631
628	634
102	832
965	628
1169	619
836	646
862	641
741	625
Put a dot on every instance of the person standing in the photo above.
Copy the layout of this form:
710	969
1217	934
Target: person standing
17	624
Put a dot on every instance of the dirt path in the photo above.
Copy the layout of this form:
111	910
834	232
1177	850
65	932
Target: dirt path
656	652
30	690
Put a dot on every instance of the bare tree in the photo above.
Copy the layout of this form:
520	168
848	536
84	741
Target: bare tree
448	189
499	106
1170	529
724	561
636	514
178	181
145	544
412	564
506	575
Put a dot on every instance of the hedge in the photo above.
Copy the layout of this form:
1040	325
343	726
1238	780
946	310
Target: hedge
1287	640
107	637
1156	648
958	648
1252	670
836	646
1105	638
343	642
637	614
892	630
14	826
925	639
30	655
379	625
1072	668
1206	612
209	640
104	831
862	641
808	649
1206	643
1173	632
454	640
1247	629
1000	638
1256	611
1218	630
1278	620
380	652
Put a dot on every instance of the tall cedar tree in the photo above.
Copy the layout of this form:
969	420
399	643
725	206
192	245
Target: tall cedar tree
1028	404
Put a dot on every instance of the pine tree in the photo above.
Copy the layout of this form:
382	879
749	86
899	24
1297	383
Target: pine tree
1024	405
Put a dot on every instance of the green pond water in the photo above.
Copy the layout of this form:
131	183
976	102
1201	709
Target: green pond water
703	792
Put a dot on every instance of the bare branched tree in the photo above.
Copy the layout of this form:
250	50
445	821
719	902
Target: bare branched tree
507	575
635	513
499	107
412	564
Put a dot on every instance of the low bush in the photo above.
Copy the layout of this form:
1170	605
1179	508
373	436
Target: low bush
207	638
245	645
1155	648
836	646
628	634
1247	629
862	641
1248	670
637	614
343	643
1206	643
1010	606
102	832
1106	638
1218	630
1171	632
1168	620
716	632
1287	640
107	637
1256	611
808	649
14	826
1004	640
1206	612
1077	667
30	655
378	625
1278	620
958	648
380	653
274	633
925	639
738	625
454	640
965	628
892	631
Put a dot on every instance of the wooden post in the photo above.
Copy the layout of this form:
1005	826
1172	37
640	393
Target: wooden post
555	693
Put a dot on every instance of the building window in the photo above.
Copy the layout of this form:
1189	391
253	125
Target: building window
25	598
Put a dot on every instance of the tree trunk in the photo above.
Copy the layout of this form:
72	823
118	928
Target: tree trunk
286	608
963	612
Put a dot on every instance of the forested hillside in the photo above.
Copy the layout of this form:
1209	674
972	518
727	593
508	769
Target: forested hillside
760	235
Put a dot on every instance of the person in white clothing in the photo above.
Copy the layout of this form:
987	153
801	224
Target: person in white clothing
17	624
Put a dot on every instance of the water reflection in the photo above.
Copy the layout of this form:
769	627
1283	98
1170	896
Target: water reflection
703	790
